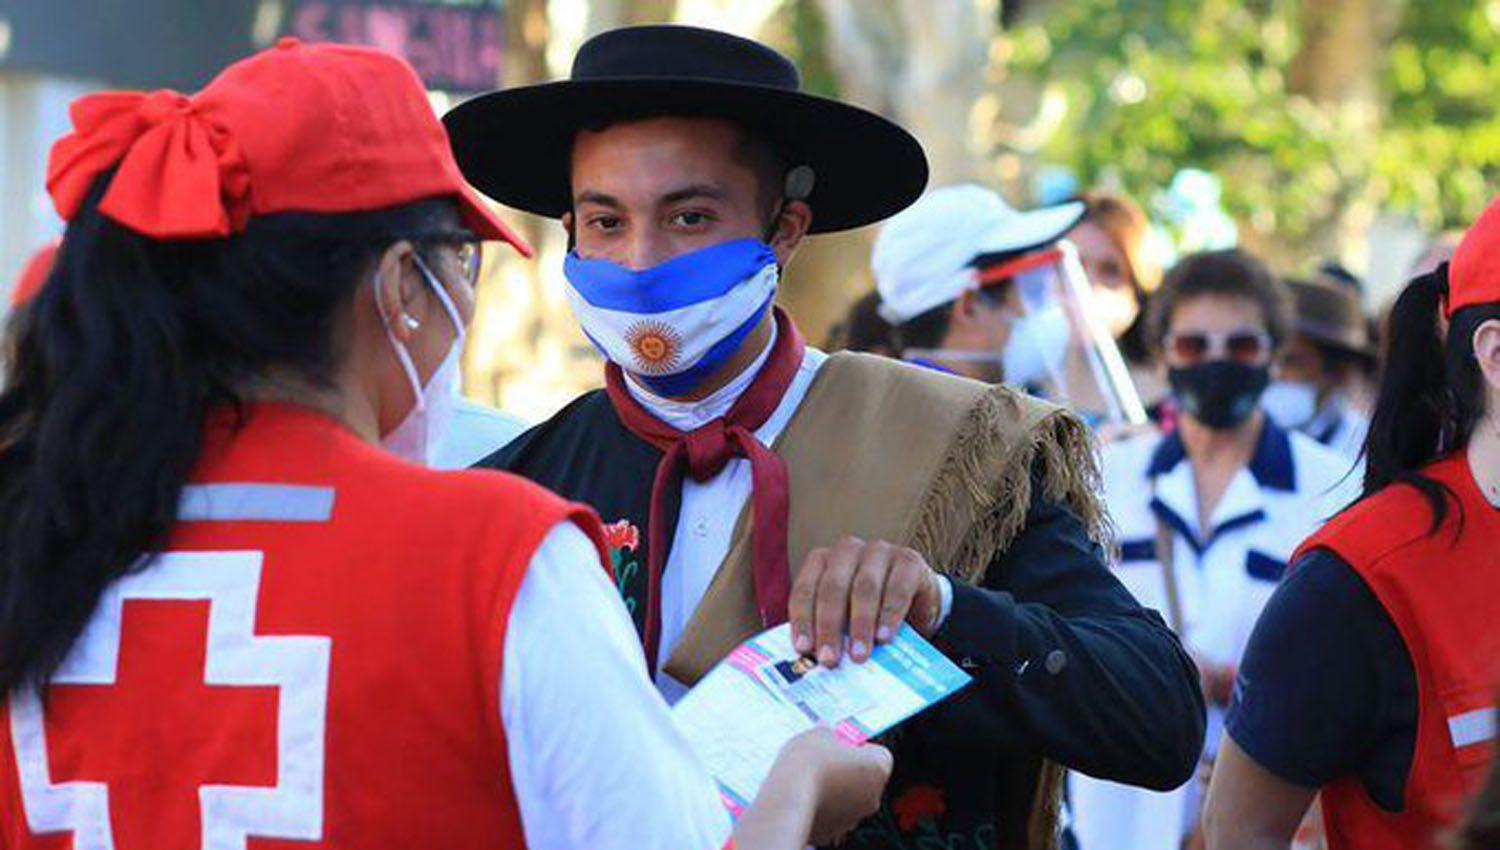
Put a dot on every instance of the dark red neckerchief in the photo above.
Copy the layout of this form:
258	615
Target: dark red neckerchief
706	450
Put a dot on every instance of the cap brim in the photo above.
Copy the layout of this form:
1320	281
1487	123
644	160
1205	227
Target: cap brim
487	224
1032	229
515	145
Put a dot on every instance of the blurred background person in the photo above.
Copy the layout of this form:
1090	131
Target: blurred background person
862	329
1209	513
1370	679
1112	247
957	274
1322	370
230	594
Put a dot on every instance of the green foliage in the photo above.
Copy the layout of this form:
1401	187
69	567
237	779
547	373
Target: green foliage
809	35
1152	86
1440	149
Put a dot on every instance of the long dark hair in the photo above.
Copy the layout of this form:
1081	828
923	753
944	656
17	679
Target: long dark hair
1431	391
109	377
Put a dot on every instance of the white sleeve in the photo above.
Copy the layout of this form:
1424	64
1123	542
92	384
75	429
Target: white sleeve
595	759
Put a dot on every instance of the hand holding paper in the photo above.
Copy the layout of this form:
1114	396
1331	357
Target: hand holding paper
765	693
864	589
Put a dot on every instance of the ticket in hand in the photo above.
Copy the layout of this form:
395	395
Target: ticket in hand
765	693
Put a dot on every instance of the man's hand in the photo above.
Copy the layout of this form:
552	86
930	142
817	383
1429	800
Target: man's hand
864	589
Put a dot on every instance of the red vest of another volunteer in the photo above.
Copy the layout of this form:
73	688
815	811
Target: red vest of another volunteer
313	661
1442	590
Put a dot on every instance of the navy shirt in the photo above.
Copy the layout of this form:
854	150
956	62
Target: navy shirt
1326	687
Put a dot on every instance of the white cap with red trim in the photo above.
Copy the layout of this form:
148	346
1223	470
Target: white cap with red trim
924	256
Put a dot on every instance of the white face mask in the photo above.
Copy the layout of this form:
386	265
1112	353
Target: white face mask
1037	347
418	436
1290	404
1115	308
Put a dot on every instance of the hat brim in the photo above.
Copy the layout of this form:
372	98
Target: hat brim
1032	229
486	224
1325	335
515	145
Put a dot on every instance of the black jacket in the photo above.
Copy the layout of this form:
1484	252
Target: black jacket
1068	666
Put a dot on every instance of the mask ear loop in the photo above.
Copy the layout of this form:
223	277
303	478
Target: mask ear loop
442	294
402	355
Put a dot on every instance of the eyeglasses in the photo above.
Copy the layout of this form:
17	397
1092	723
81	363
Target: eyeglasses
1244	346
470	258
468	250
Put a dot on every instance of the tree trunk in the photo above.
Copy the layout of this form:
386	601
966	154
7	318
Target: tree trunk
525	353
922	63
1337	67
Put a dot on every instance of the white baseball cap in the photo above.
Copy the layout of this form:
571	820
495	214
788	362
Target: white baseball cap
924	255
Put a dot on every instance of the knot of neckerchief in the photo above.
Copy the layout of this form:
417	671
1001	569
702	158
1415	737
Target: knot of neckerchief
702	453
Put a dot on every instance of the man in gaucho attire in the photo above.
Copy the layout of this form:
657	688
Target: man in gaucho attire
751	479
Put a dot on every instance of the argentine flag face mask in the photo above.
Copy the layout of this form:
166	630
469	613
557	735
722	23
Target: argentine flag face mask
674	324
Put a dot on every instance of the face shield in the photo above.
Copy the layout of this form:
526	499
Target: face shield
1036	328
1106	367
1059	340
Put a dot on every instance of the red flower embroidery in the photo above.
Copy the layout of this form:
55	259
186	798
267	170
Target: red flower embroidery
917	804
622	535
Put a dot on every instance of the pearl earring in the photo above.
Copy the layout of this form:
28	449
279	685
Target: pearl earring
411	323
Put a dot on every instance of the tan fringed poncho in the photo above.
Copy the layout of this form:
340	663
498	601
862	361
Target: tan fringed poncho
887	451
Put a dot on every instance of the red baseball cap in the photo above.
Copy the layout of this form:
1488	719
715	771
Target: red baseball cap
33	275
1474	272
319	128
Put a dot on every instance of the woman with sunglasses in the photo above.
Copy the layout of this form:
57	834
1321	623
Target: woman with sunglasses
1370	679
1208	513
229	605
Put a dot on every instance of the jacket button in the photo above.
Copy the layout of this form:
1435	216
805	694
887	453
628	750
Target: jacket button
1056	661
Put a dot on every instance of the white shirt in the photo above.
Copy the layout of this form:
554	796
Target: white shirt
595	759
709	510
1224	575
475	432
1341	429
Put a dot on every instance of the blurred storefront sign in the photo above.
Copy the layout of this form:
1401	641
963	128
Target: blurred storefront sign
454	44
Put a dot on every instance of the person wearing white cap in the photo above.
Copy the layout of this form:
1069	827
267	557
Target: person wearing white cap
969	284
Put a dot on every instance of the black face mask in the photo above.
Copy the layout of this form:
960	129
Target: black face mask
1220	393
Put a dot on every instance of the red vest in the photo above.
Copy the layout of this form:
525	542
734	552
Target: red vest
313	662
1442	590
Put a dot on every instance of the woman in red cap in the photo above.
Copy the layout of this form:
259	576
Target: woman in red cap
1371	675
225	612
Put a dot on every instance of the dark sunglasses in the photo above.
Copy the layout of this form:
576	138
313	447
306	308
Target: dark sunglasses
1191	347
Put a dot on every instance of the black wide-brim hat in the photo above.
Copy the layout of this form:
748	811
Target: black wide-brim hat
515	145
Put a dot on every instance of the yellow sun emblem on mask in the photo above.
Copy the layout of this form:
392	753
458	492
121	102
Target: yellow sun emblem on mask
656	346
